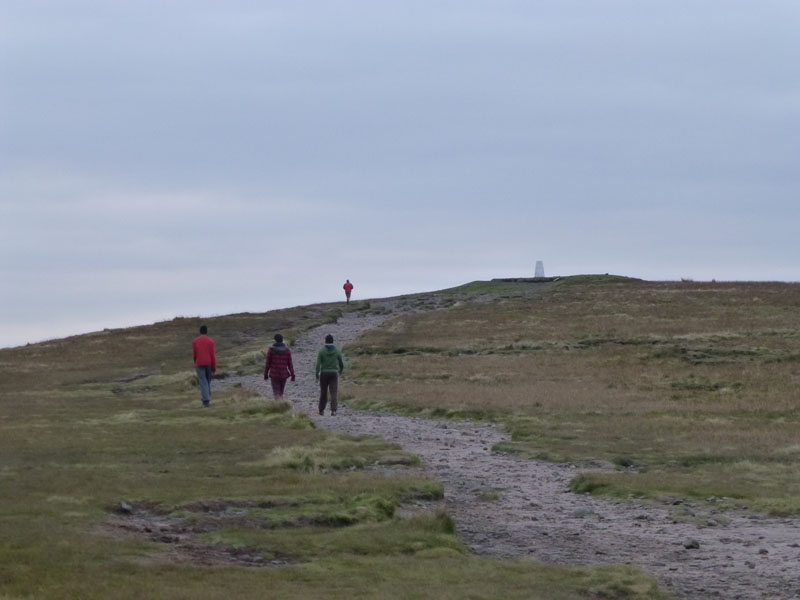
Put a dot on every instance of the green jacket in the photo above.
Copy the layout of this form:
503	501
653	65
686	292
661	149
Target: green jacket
329	360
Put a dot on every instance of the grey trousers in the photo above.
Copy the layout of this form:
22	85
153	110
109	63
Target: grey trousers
328	381
204	379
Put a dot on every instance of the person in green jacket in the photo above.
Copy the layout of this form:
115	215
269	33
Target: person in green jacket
329	366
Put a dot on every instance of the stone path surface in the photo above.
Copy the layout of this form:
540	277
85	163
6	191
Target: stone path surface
511	507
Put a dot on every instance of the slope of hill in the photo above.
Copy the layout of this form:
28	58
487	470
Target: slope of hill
677	400
115	483
690	388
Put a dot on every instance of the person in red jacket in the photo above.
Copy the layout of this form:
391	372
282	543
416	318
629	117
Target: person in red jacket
205	361
348	287
279	366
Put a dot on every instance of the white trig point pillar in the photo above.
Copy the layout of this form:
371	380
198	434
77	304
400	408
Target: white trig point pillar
539	269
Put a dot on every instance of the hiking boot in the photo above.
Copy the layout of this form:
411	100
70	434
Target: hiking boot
320	413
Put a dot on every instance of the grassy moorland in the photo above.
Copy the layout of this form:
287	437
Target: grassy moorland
114	483
691	389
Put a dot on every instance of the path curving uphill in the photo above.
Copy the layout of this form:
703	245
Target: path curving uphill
532	513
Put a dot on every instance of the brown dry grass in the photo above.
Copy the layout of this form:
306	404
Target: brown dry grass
686	378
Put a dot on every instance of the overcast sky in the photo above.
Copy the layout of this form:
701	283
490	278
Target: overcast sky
206	157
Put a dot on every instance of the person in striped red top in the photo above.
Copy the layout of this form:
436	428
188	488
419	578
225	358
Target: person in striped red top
279	366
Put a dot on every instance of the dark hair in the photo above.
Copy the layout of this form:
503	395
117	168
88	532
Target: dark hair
278	338
329	339
203	329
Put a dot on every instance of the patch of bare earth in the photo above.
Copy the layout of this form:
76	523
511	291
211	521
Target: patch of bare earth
511	507
181	539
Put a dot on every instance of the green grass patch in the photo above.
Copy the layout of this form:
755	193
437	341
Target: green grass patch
596	280
339	452
385	538
743	484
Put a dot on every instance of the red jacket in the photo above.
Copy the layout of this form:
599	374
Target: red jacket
204	353
279	362
348	287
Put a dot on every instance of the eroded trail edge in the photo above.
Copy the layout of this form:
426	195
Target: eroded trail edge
511	507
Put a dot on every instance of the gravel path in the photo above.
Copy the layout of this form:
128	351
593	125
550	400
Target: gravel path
507	506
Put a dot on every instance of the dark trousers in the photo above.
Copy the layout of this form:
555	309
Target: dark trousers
278	385
328	381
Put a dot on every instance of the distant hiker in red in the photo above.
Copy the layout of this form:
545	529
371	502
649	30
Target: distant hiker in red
279	366
348	287
205	361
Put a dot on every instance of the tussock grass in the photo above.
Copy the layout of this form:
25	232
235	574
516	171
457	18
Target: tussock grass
682	381
338	453
420	533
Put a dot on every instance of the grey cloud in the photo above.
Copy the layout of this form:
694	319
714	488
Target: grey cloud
417	142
